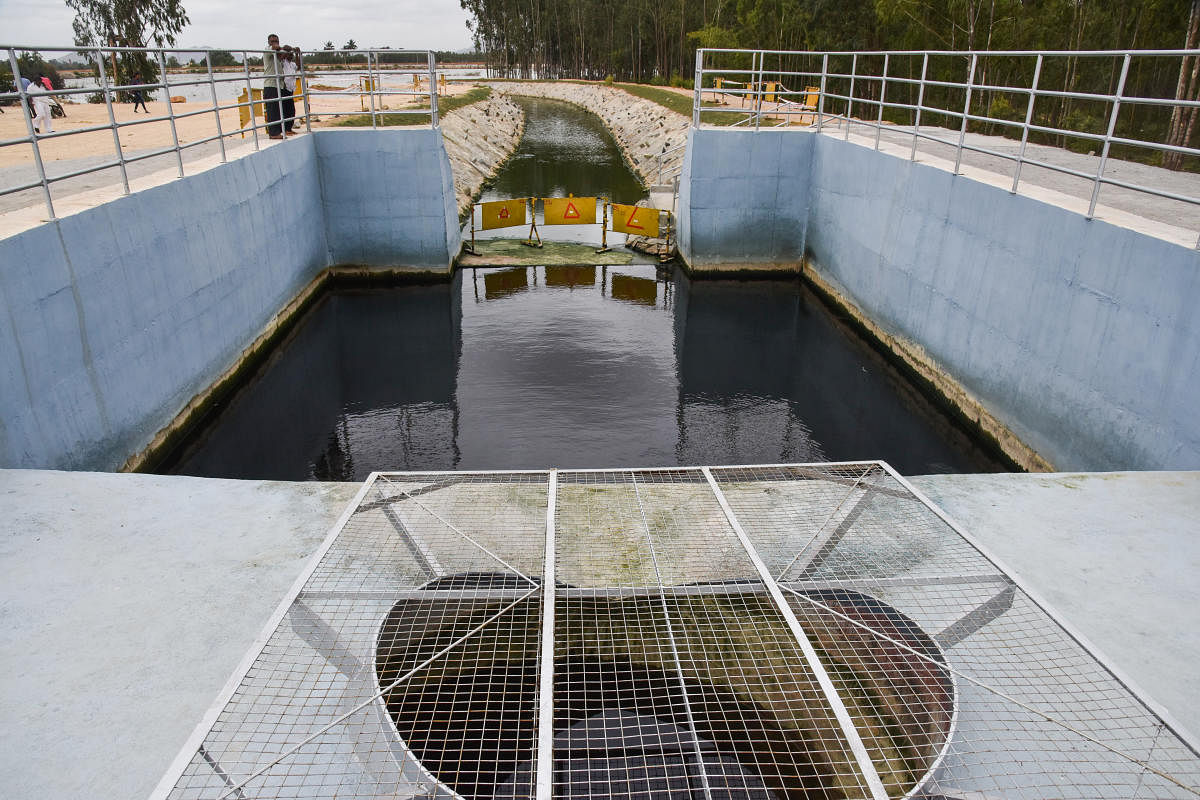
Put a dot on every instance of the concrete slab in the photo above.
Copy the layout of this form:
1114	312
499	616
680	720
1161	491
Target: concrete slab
126	601
1117	554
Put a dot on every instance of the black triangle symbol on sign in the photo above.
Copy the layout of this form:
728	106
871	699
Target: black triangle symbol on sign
571	212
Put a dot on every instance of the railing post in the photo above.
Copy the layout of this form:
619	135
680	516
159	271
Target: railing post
882	99
374	88
162	65
250	97
1112	126
850	102
821	97
698	88
212	86
112	119
37	153
1037	74
304	94
962	133
758	93
920	101
433	96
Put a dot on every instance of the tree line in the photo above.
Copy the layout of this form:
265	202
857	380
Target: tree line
655	41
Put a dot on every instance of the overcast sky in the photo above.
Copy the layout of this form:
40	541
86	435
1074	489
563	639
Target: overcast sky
236	24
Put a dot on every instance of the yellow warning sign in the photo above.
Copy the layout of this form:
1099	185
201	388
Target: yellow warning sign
502	213
636	220
569	210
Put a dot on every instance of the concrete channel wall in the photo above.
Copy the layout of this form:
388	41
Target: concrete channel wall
1081	337
117	317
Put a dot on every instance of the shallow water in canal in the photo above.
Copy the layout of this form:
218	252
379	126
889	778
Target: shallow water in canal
552	366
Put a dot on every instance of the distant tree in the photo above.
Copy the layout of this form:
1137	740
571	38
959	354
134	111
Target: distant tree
173	62
350	45
128	23
223	58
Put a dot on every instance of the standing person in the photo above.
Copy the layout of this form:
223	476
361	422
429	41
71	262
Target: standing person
136	94
289	86
272	83
41	108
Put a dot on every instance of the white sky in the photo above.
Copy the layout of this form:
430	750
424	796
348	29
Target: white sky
235	24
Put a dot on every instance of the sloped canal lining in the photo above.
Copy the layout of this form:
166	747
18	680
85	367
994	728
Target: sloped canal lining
565	150
590	366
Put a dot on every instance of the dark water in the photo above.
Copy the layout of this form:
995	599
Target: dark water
571	367
565	150
533	367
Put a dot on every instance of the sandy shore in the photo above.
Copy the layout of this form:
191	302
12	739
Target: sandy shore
194	122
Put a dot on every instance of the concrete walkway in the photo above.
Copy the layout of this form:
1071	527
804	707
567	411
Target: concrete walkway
126	601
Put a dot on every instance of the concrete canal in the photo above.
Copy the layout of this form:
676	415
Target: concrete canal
591	366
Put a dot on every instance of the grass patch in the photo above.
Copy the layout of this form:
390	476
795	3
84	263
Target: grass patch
679	103
445	106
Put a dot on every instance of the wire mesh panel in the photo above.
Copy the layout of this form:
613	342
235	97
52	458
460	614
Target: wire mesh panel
796	631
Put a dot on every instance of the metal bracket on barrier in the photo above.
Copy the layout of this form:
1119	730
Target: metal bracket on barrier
533	231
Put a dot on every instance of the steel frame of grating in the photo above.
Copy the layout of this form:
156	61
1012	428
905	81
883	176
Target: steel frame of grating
772	630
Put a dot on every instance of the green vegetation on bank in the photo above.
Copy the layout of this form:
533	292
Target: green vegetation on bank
679	103
655	42
445	106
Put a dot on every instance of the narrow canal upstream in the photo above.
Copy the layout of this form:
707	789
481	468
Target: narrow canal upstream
568	366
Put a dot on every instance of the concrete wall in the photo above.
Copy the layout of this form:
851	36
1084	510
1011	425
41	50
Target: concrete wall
1079	336
114	318
743	198
388	194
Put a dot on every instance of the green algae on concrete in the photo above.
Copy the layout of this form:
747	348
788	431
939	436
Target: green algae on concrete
513	252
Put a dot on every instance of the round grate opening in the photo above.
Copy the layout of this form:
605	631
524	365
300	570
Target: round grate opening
643	708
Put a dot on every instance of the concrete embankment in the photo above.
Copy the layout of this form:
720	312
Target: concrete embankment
123	317
479	138
644	130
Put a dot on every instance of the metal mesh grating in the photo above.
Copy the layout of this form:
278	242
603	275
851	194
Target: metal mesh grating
711	633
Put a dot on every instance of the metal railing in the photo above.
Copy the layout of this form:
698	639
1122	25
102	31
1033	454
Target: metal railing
374	76
938	98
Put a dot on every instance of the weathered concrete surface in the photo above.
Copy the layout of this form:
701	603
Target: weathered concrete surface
1116	554
1079	335
114	318
388	198
126	601
744	199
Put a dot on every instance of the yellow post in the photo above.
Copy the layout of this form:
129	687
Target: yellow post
604	231
533	231
471	247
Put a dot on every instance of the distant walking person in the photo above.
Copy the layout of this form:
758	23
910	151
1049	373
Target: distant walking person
272	83
136	94
290	70
41	108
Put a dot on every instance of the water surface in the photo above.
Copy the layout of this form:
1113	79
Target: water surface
533	367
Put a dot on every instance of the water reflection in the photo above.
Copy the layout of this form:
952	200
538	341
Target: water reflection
505	282
571	367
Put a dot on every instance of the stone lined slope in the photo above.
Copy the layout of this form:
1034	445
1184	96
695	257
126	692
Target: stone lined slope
643	129
479	138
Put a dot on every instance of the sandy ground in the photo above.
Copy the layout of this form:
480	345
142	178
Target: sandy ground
193	122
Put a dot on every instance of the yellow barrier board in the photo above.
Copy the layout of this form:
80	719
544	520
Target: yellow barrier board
569	210
636	220
502	213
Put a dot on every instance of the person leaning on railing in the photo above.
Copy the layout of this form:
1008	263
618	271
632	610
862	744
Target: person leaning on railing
272	83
